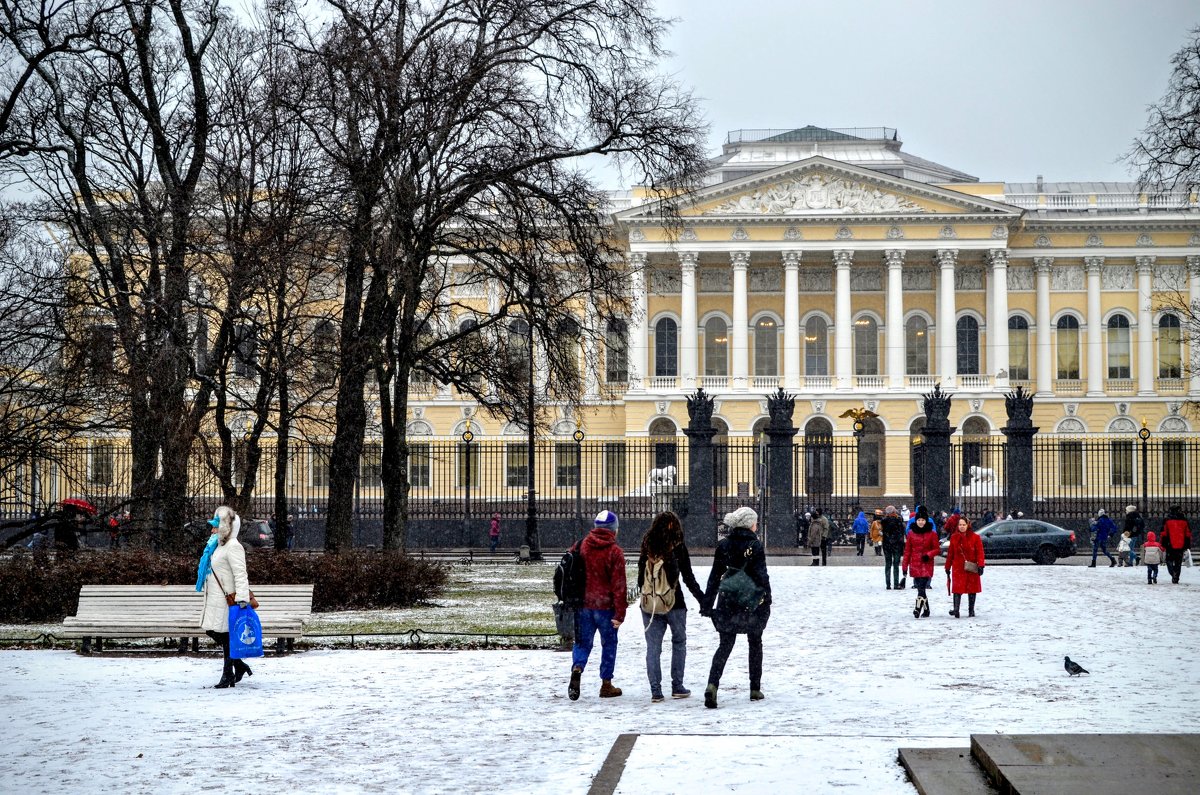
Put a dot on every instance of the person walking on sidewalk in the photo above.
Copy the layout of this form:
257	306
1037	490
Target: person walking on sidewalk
604	604
877	532
740	550
920	550
1136	526
1102	528
663	563
223	578
862	527
1124	548
494	532
964	565
1152	555
818	528
1176	539
893	547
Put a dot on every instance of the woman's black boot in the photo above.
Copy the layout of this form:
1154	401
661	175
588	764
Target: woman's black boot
241	669
227	680
957	602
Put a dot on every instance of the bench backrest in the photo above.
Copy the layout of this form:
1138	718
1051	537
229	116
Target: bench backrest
133	601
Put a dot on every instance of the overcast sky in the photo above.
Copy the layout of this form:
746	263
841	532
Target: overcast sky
1002	90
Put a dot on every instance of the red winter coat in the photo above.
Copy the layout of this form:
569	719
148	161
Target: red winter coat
604	564
919	544
963	547
1176	534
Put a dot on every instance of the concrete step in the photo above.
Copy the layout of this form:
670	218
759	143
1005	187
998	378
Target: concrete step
1090	764
944	771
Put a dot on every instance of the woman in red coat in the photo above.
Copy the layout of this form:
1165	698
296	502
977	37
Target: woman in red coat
920	549
964	565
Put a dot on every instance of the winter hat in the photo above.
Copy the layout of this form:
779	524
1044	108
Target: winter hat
922	513
1101	512
742	517
890	510
1150	537
1130	508
807	515
607	520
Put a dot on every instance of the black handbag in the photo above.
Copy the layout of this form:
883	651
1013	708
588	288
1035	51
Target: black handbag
739	591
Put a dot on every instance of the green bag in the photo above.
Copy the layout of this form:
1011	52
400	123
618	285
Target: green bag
739	591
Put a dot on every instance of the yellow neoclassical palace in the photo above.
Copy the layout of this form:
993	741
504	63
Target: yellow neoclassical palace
851	273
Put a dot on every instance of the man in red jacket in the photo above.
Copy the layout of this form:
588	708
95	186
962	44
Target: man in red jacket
1176	537
603	604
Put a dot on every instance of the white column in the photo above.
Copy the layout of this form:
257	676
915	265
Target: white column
791	320
998	322
739	338
1193	347
843	343
947	335
1045	353
689	340
1095	326
895	317
639	326
1145	334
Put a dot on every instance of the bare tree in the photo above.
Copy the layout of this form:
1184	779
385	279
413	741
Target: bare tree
1166	156
455	131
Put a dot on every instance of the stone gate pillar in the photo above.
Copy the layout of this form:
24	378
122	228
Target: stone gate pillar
780	433
938	493
1018	467
699	526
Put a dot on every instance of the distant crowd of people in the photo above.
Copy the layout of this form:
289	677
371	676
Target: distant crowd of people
1136	545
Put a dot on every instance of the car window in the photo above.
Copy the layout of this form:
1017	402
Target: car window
999	529
1030	528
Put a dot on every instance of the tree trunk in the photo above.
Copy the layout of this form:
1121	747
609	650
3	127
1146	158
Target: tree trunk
393	414
284	429
351	415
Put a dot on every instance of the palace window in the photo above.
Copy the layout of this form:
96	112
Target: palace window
766	347
1174	462
517	344
615	456
967	330
419	468
245	351
916	346
566	464
319	466
468	464
1170	359
516	465
1070	463
370	465
325	358
1068	347
616	352
866	347
1118	347
101	464
1018	348
716	347
816	346
1121	462
666	347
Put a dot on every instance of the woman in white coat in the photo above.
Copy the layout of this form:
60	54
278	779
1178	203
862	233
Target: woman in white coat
226	578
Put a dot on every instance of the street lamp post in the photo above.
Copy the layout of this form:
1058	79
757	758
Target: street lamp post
467	436
531	527
859	427
578	437
1144	435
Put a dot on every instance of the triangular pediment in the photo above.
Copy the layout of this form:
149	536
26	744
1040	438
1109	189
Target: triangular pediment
821	188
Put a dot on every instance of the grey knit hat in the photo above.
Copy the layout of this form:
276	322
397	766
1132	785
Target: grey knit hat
742	517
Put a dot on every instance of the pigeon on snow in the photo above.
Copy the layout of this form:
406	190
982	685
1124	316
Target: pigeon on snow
1073	668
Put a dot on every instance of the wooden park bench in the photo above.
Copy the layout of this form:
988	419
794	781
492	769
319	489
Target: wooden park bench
173	611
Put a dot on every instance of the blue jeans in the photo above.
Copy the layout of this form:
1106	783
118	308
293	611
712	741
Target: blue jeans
587	623
656	629
1099	546
891	566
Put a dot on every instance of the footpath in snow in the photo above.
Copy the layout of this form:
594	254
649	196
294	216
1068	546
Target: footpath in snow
849	675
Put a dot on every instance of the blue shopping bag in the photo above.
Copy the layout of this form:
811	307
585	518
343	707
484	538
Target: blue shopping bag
245	633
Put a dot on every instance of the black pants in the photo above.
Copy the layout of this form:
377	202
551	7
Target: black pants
922	584
970	602
1151	572
1174	563
722	656
861	543
222	638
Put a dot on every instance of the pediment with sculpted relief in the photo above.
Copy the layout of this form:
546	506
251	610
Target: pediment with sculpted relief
816	193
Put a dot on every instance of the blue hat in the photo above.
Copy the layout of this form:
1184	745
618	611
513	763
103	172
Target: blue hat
608	520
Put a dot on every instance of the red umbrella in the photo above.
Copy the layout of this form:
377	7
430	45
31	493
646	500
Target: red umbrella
79	505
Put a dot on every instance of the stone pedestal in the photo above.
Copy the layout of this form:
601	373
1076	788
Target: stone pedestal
1020	430
939	495
780	433
700	525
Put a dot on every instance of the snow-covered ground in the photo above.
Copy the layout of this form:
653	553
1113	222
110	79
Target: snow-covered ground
850	676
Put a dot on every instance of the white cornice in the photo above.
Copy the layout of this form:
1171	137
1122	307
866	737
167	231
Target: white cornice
1106	252
968	244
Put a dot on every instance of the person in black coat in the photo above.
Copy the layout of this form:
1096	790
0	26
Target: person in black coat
893	547
740	550
1135	525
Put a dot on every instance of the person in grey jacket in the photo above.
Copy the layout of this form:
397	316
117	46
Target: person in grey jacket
226	578
818	531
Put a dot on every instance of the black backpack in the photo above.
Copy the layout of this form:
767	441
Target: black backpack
570	578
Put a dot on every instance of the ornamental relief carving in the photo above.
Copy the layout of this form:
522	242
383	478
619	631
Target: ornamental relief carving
766	280
968	278
1066	277
665	282
1020	277
1170	277
866	279
816	280
918	278
1117	277
816	194
716	280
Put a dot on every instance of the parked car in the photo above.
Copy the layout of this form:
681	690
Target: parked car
256	533
1024	538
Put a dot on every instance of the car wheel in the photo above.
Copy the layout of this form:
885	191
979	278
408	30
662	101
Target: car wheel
1045	555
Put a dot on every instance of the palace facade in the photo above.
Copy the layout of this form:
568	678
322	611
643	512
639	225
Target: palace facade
851	273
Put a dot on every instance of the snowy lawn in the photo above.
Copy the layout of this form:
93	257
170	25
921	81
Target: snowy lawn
850	677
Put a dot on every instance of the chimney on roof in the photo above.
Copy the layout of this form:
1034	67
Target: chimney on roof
1039	183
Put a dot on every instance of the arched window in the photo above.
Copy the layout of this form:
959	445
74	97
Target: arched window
866	346
967	330
1018	348
916	346
662	435
1068	347
716	347
816	346
818	457
1118	348
1170	358
616	352
666	347
766	347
